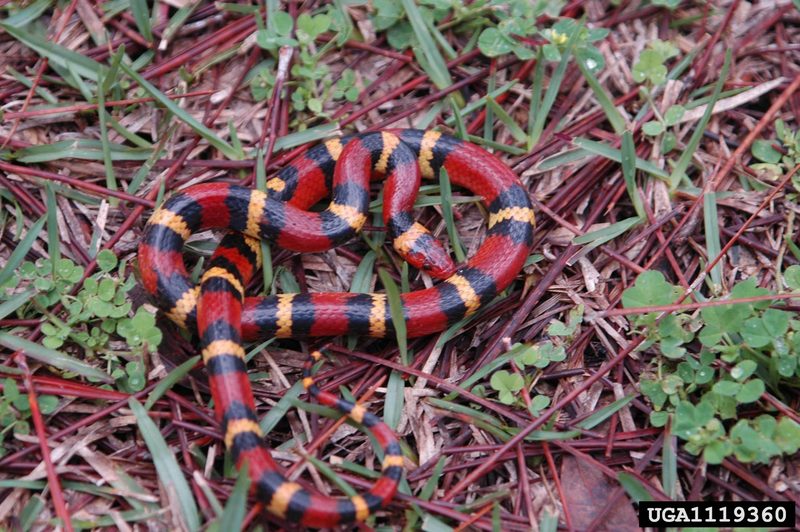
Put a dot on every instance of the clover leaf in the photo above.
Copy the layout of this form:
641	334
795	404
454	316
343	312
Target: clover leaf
507	384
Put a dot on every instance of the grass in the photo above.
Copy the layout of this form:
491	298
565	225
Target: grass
600	117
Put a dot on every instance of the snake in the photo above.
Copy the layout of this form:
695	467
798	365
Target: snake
217	311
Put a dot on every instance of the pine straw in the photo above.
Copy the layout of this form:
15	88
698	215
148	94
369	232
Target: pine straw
93	436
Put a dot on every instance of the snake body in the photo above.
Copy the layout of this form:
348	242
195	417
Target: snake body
223	318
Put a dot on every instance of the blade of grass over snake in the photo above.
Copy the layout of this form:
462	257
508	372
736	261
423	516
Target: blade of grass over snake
628	155
166	465
18	255
181	114
396	309
447	214
361	284
170	380
54	358
679	171
266	251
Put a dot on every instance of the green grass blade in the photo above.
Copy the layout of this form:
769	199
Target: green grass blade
30	13
513	150
601	236
362	281
277	412
548	522
43	93
393	405
461	129
166	465
430	487
87	149
612	113
141	14
447	214
266	252
58	55
25	245
112	76
628	154
310	135
396	308
604	150
181	114
534	109
475	105
604	413
14	302
177	21
683	163
711	227
53	237
129	135
108	165
669	466
437	67
552	91
363	276
53	358
331	475
236	507
169	381
501	114
634	488
31	513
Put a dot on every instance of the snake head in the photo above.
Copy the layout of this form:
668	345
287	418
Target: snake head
420	249
433	259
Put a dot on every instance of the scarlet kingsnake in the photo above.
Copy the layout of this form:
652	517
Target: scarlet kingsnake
223	318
